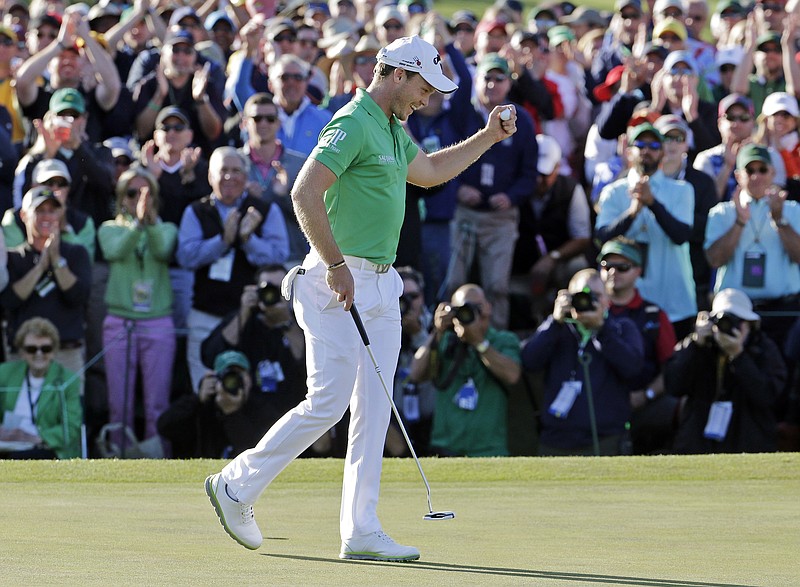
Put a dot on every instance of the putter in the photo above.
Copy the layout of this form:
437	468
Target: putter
431	515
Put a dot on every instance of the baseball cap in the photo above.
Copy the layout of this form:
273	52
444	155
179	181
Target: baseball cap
655	49
549	154
463	17
183	12
676	57
414	54
48	169
119	147
37	196
620	4
493	61
669	122
670	25
732	100
487	26
628	249
586	16
171	111
733	301
768	37
48	18
559	34
179	37
750	153
216	17
780	102
67	99
389	12
724	5
603	91
228	359
641	129
661	5
102	9
9	32
730	55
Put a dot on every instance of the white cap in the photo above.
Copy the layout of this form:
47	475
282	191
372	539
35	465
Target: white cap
780	102
414	54
661	5
733	301
549	154
389	12
730	55
50	168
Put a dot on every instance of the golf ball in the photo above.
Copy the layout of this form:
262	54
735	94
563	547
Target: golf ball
505	114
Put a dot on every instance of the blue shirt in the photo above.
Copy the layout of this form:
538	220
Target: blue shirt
269	245
781	274
667	277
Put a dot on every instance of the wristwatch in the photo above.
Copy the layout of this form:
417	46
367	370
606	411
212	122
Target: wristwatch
482	347
782	223
62	262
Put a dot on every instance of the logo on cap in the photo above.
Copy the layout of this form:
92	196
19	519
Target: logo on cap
436	60
417	61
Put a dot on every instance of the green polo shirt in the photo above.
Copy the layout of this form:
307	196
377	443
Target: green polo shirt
369	154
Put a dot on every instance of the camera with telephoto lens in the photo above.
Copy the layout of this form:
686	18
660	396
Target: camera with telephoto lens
268	294
465	314
727	323
232	380
584	300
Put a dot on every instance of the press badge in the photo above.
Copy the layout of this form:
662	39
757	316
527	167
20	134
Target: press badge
270	374
142	296
45	286
719	418
566	397
222	268
466	398
755	264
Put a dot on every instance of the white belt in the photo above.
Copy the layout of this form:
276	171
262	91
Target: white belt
365	265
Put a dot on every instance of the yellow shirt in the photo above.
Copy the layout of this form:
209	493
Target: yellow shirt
8	98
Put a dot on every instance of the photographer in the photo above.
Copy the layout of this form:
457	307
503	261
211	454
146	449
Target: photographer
471	364
581	337
729	373
264	332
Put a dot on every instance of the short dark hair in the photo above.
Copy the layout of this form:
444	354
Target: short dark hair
385	70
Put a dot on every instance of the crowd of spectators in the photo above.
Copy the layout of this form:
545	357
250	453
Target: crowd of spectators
640	231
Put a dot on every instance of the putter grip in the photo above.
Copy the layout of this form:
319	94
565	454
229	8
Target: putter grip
359	324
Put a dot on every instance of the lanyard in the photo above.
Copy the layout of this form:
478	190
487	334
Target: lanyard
31	403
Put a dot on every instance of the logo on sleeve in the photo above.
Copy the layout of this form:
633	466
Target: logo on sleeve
331	138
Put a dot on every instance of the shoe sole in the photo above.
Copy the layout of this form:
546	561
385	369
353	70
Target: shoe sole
218	509
372	556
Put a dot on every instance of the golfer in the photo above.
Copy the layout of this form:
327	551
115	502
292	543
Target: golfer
350	200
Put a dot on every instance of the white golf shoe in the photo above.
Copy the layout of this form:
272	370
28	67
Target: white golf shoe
377	547
236	517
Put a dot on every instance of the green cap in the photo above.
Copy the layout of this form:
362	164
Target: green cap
643	128
752	152
768	37
67	99
493	61
628	249
230	359
558	34
724	5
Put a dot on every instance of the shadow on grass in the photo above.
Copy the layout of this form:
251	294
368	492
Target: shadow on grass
522	573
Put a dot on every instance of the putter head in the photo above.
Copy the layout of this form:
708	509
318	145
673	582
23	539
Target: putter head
439	516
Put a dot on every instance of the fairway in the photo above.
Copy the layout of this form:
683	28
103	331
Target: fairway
650	521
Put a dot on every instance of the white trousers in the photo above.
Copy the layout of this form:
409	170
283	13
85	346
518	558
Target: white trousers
340	373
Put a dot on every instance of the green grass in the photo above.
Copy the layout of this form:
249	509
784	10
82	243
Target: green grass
655	521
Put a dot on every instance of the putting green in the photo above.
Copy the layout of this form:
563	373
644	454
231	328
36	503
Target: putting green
653	521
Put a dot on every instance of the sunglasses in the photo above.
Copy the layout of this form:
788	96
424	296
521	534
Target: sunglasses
674	138
412	295
132	193
630	15
618	267
391	26
739	118
56	183
308	42
774	7
31	349
72	113
175	127
652	145
262	117
6	42
761	170
727	68
680	71
295	77
770	49
41	35
285	39
182	50
122	162
464	29
498	79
